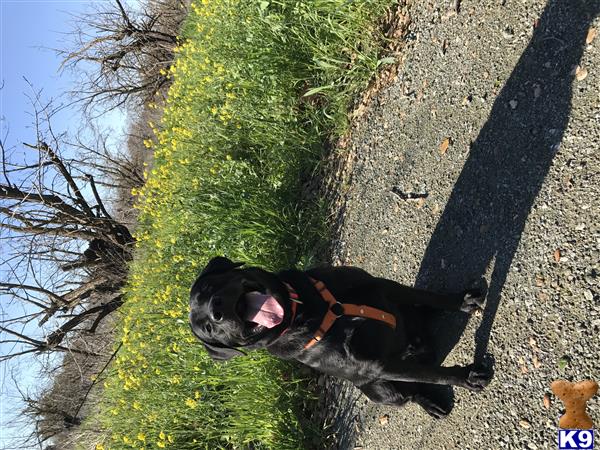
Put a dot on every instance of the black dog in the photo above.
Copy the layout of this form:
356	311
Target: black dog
338	320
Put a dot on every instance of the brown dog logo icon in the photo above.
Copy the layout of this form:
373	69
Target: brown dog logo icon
575	396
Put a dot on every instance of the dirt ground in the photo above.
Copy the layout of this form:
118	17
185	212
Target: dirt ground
482	159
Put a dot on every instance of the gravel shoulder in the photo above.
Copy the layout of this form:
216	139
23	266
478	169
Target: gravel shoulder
495	130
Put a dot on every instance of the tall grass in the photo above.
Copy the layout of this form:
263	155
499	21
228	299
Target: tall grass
258	86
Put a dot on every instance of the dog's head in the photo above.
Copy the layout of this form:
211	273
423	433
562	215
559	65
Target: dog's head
232	307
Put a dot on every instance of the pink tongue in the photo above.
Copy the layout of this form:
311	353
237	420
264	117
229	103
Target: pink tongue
263	309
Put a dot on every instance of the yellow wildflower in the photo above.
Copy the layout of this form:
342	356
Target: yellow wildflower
191	403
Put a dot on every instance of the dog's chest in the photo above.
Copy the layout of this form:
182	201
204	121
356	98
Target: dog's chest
338	353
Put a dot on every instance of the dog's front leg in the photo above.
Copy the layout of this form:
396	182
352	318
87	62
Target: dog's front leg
466	301
471	377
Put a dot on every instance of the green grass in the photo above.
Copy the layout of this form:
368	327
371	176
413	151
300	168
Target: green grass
257	88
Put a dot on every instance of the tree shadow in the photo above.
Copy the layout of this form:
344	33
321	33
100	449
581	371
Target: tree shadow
484	218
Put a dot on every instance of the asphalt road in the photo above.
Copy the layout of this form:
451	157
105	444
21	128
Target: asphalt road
493	124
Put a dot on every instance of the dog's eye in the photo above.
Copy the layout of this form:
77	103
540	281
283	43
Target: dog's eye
250	286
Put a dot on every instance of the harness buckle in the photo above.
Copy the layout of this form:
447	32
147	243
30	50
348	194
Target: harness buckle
337	309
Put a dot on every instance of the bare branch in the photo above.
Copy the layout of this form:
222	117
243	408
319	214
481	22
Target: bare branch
54	297
58	162
97	197
57	336
129	52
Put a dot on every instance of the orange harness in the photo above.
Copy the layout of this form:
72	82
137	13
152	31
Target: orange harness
337	310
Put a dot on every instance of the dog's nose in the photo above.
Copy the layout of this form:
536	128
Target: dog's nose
216	309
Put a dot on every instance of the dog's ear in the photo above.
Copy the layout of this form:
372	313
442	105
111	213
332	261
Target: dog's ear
220	352
220	264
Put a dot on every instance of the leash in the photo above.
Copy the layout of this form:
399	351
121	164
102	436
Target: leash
337	310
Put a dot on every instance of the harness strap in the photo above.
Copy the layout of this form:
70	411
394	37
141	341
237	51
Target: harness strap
337	310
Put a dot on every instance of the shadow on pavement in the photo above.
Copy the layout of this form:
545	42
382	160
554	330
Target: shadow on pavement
485	216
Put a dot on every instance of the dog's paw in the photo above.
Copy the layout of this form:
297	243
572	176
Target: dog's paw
478	378
433	408
473	300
